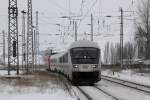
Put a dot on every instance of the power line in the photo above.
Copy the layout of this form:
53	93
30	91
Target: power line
58	6
99	14
131	5
81	8
87	12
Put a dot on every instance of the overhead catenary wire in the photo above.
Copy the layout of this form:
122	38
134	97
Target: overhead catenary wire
86	14
58	6
99	14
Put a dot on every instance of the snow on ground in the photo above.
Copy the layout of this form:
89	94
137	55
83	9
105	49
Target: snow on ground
122	92
96	94
30	87
79	94
59	95
39	86
128	75
5	72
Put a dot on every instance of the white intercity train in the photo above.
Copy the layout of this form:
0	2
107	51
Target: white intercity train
81	63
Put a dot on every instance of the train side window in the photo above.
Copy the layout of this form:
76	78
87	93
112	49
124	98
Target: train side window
52	60
66	58
61	60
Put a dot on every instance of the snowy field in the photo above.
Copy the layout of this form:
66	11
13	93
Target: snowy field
129	75
49	86
121	92
39	86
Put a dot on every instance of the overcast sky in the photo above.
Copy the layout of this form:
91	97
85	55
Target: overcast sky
50	12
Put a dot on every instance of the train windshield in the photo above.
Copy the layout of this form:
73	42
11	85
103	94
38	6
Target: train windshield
85	55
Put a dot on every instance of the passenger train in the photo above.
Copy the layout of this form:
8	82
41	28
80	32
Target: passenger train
81	63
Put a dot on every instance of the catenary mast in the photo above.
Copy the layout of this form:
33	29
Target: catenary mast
30	54
13	54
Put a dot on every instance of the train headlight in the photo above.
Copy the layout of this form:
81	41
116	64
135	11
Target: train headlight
75	66
94	66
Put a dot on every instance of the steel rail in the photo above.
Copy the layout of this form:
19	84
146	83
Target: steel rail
84	93
115	98
132	85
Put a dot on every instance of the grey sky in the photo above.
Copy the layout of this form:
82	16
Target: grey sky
50	12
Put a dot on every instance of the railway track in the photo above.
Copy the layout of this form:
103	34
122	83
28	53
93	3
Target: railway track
91	97
115	98
84	93
140	87
134	86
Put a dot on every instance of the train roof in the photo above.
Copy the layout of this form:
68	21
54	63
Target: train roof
58	55
80	43
84	43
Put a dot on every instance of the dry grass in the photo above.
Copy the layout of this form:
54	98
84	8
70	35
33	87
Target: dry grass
144	71
41	80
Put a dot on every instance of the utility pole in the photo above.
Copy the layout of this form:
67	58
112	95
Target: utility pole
23	40
76	33
147	55
63	35
98	26
121	39
13	53
91	27
34	48
4	47
73	28
37	39
30	56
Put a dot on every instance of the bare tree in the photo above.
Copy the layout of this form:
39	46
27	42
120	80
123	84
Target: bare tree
129	52
117	46
106	53
113	54
142	35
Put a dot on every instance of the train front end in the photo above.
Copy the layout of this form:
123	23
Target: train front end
86	67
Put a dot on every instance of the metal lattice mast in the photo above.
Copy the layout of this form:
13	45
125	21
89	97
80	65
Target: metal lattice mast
37	38
30	55
23	40
4	47
13	54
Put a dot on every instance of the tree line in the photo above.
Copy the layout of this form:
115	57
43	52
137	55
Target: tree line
112	53
140	49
